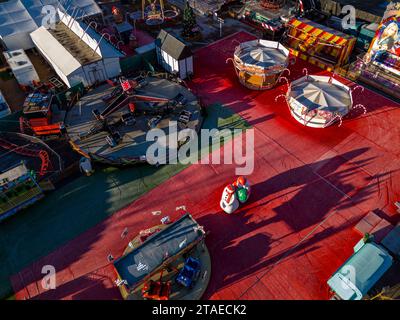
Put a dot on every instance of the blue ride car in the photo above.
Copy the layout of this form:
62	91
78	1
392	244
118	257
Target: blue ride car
189	273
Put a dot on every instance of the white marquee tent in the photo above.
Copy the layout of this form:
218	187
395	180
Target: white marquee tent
18	18
90	60
87	7
15	25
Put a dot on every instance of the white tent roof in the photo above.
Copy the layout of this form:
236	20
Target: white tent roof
14	19
89	7
34	8
106	49
25	16
322	93
103	47
54	51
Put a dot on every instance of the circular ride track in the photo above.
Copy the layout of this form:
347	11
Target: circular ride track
38	156
110	125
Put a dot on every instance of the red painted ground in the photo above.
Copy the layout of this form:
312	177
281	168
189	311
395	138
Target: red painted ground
310	187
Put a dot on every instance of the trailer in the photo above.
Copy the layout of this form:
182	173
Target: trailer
21	67
40	117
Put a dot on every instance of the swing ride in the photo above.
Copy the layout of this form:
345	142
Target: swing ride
153	13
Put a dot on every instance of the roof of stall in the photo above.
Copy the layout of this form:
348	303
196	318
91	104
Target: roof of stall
55	51
89	7
317	30
25	16
172	45
321	93
13	173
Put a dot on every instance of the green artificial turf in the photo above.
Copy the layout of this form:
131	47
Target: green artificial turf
81	204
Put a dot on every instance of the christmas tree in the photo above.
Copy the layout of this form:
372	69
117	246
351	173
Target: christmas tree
189	22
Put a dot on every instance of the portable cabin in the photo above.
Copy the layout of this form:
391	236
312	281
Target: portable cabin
358	275
174	55
21	67
320	45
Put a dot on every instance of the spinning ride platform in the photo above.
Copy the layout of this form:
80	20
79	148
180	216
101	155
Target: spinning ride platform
260	63
95	121
318	101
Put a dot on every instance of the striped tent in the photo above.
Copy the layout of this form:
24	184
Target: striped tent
320	45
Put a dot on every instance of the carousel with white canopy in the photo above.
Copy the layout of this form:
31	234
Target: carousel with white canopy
260	63
319	101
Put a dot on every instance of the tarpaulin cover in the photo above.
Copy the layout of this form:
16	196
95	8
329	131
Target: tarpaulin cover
360	272
167	243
